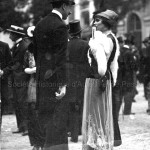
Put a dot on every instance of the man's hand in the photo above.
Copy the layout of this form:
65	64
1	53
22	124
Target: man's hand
30	70
1	72
61	93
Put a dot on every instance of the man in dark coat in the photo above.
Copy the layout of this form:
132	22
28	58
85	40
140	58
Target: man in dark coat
117	96
51	39
146	73
20	78
77	69
127	66
5	61
143	74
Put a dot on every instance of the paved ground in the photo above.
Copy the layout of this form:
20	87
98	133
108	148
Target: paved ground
135	131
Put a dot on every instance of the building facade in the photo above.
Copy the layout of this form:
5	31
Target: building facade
136	21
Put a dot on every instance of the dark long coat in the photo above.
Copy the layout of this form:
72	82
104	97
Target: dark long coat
51	39
20	82
129	66
77	70
5	61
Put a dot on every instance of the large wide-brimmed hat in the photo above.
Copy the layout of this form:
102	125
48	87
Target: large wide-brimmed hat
65	1
30	31
74	27
109	15
16	29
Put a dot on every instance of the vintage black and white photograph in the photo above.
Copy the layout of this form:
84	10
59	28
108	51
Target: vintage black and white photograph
75	74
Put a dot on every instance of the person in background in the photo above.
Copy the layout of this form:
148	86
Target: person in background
117	94
97	125
50	40
5	62
128	72
146	74
30	68
20	78
143	63
136	57
77	70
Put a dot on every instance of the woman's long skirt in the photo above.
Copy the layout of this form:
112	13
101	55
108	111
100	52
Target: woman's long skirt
97	124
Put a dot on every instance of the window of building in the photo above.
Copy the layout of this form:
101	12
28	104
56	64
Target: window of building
134	23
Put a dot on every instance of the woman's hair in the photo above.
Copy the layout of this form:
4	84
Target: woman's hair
107	23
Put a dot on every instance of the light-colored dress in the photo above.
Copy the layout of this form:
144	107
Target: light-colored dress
97	124
29	59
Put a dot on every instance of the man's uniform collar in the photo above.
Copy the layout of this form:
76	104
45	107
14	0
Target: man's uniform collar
57	12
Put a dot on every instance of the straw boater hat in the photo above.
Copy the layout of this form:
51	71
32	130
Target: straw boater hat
65	1
74	27
16	29
30	31
110	16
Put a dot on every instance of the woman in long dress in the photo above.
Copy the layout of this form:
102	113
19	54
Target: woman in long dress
35	136
97	125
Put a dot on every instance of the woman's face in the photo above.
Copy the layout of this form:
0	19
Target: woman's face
98	24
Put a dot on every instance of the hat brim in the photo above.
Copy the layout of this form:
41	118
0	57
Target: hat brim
16	32
71	2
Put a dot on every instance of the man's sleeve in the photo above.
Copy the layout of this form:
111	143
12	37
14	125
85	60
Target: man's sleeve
8	61
60	41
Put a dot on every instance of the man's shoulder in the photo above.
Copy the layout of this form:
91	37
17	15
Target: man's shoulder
50	18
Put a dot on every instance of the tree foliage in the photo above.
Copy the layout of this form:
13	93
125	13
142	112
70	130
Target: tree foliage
40	8
9	15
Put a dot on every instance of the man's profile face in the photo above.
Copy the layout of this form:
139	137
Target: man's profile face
67	10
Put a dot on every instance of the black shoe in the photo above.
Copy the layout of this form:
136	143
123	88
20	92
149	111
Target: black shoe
18	131
25	133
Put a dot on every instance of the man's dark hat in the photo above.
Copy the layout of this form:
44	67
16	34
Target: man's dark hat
109	15
16	29
65	1
74	27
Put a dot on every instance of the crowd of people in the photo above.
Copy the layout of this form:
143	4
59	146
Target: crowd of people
65	86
